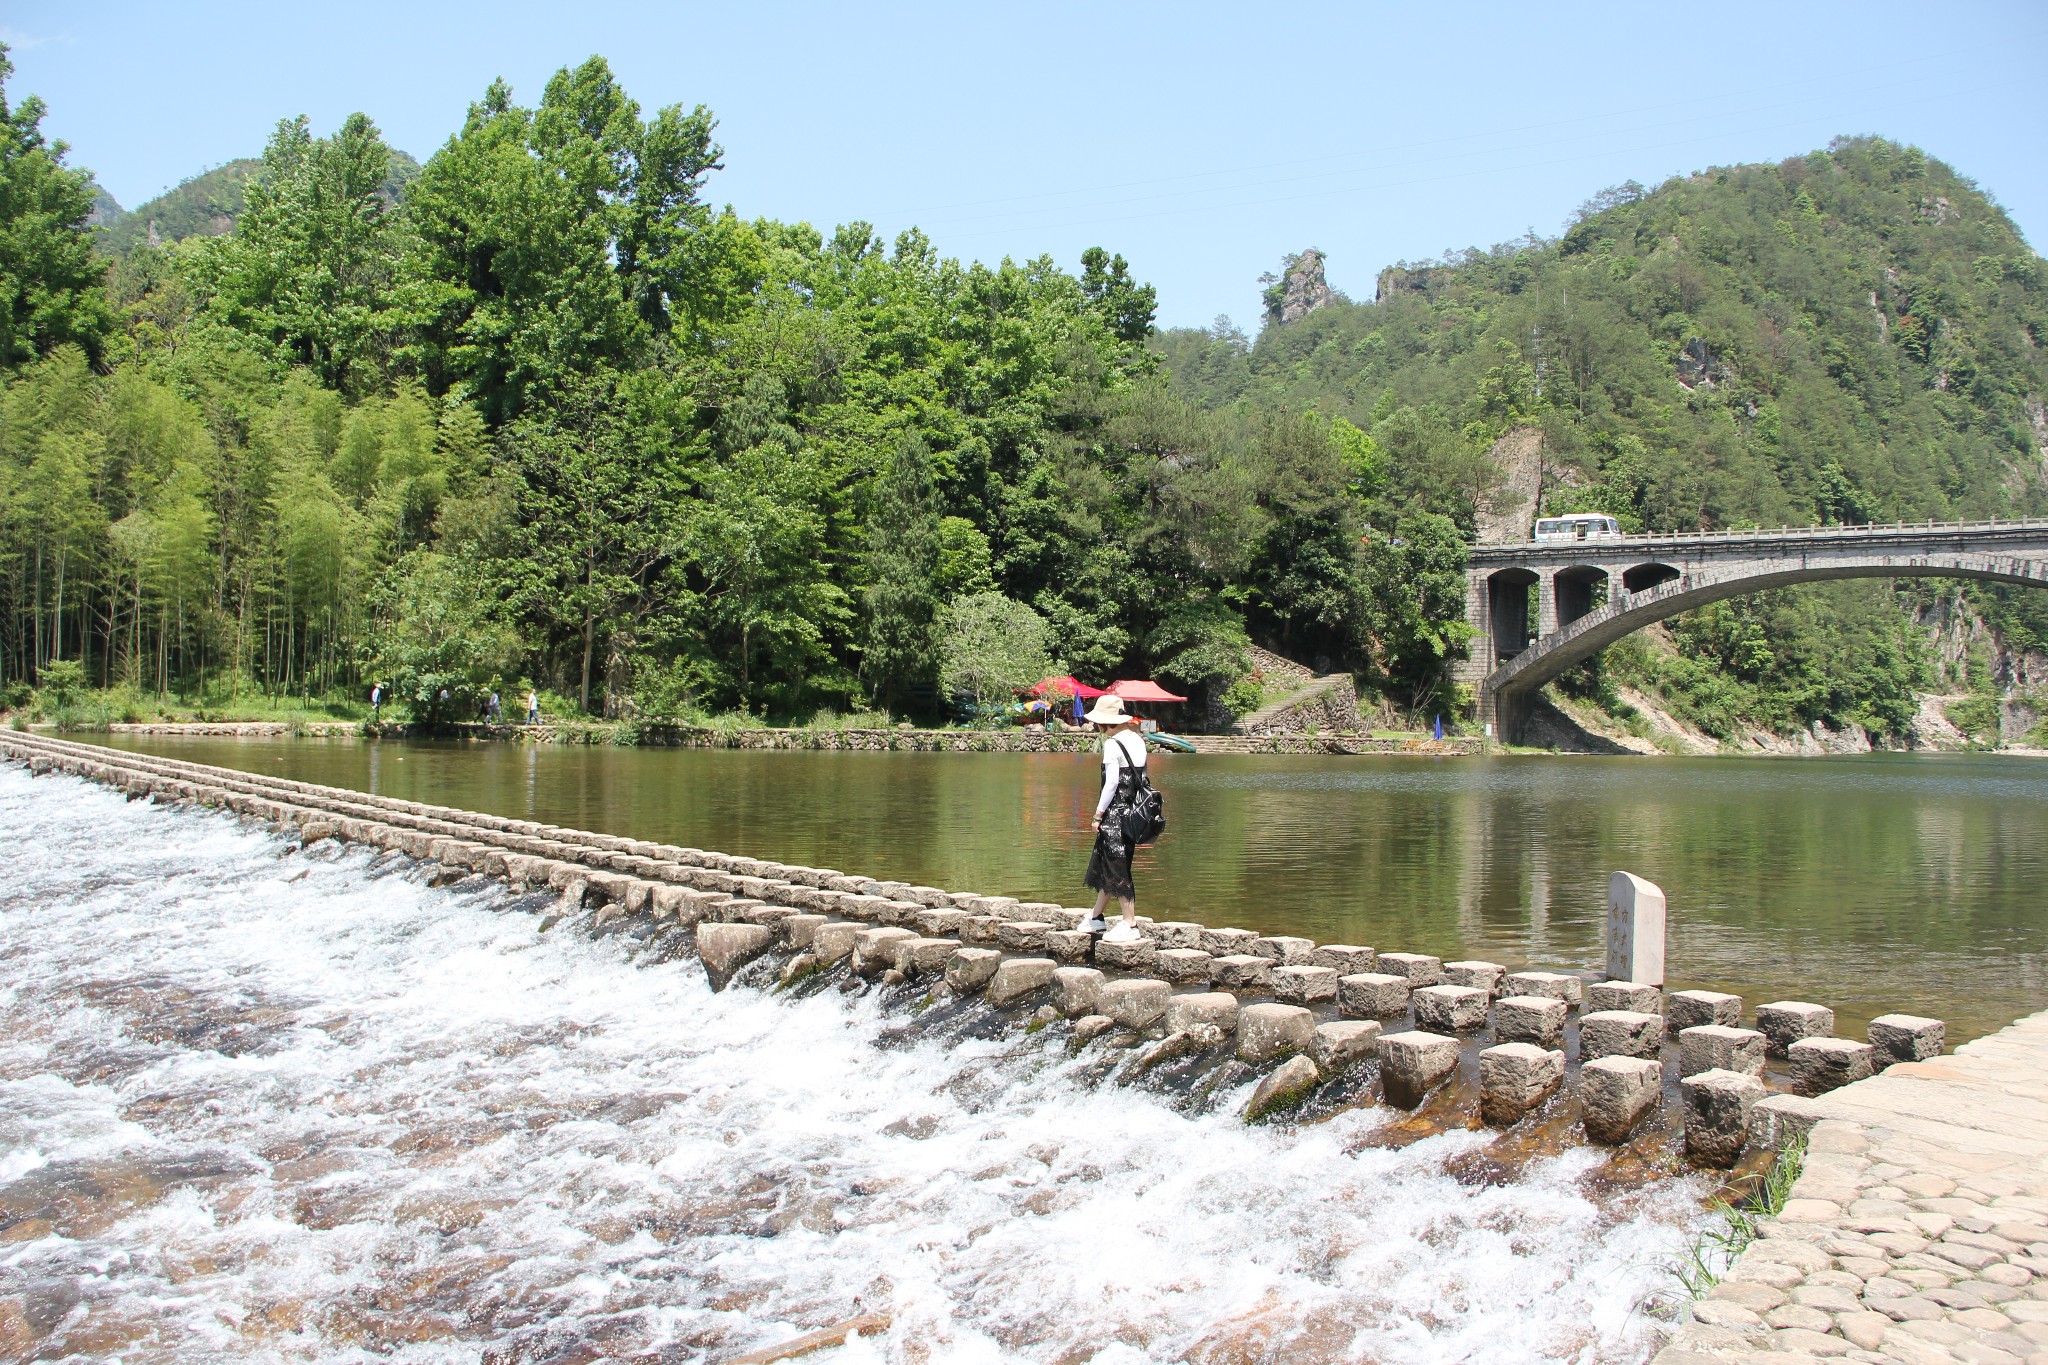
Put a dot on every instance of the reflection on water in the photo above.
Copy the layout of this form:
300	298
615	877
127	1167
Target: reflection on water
1884	883
274	1108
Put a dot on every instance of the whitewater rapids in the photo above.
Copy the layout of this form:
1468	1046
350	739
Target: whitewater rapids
260	1107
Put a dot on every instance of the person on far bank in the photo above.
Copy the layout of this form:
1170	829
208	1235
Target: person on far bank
532	707
1123	770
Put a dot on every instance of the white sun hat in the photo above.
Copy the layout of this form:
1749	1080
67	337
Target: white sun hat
1108	710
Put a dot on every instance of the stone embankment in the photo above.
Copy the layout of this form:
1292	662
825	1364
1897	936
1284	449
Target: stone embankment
828	740
1474	1040
1917	1231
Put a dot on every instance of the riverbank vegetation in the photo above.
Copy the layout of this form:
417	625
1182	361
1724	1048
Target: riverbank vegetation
537	413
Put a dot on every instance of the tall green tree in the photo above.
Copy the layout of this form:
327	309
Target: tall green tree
311	267
898	650
558	239
49	281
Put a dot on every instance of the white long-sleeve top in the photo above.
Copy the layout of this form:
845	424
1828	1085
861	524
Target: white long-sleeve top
1121	750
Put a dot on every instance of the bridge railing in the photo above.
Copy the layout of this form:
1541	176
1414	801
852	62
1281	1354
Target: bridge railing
1765	535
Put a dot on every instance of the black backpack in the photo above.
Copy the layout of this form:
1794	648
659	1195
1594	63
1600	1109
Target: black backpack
1147	820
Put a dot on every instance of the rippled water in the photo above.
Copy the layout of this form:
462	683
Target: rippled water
264	1107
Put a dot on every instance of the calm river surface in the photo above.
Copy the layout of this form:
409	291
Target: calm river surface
1909	882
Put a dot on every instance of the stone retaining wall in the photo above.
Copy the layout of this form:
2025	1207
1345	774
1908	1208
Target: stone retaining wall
1600	1058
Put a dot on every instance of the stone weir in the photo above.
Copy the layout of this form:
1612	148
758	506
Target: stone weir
1546	1051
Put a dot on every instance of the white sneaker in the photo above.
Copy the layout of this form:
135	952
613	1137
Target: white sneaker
1095	924
1123	933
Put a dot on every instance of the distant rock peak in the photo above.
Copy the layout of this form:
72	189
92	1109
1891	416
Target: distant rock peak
1301	290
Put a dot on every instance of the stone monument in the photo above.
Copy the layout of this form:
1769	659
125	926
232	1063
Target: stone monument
1635	930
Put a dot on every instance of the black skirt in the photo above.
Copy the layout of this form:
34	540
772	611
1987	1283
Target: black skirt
1109	866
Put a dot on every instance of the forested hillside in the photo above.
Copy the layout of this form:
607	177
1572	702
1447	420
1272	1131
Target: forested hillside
549	415
1848	336
541	412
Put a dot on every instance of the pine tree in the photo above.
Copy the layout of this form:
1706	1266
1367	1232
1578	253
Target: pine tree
902	598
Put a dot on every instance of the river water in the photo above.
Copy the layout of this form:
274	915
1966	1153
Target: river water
260	1106
1909	883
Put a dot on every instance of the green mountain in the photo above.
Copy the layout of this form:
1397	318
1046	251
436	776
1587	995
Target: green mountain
1852	335
205	205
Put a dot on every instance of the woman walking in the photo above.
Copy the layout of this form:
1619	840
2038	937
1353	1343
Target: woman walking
1123	771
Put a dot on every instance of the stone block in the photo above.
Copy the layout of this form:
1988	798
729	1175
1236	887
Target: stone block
726	948
1022	935
923	956
1480	976
1045	912
1905	1038
1556	985
1336	1048
799	930
1018	978
969	969
1717	1106
1284	951
1178	934
1226	942
1417	969
1075	990
1785	1022
1345	957
1135	956
1713	1047
1186	965
1413	1064
1372	995
1293	1081
1635	929
1204	1009
981	931
1304	985
1620	1033
941	923
871	951
1450	1009
904	913
1268	1031
833	941
1242	972
1516	1077
1134	1002
1063	917
1615	1093
1537	1019
1690	1009
1070	945
1823	1064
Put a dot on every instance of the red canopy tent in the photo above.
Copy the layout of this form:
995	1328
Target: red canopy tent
1066	687
1141	690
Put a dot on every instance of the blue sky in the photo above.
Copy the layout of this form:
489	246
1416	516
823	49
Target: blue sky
1201	142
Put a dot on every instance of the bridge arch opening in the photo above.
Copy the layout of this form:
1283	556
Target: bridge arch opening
1581	590
1646	576
1507	611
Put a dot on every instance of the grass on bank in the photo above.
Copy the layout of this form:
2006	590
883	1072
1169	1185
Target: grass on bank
1734	1223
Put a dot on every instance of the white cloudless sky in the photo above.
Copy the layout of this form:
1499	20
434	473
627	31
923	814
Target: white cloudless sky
1200	141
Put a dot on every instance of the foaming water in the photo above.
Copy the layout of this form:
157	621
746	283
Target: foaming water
298	1108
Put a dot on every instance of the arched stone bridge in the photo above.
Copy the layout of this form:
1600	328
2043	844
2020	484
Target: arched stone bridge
1590	593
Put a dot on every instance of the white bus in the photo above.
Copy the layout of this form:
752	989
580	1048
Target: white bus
1576	526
